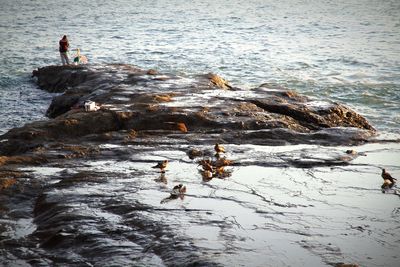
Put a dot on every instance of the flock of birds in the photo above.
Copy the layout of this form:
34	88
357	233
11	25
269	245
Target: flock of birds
216	169
210	169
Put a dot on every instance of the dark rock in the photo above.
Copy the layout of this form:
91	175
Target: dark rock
62	104
145	101
59	78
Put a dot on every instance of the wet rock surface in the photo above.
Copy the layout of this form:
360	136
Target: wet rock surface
79	189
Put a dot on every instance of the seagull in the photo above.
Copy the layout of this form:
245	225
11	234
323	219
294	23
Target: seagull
161	165
387	178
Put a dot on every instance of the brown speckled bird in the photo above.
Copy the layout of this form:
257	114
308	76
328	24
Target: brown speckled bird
221	162
161	165
351	152
219	149
387	177
220	170
206	164
179	189
194	153
177	192
207	175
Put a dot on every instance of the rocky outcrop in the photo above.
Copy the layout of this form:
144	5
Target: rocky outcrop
86	178
199	108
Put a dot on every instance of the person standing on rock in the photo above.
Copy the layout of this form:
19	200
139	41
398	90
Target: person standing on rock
64	45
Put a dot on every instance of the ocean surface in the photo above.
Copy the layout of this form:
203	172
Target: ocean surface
344	51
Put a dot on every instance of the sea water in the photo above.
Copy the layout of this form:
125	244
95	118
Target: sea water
344	51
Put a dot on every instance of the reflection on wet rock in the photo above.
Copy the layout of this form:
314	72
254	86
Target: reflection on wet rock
162	178
161	165
386	185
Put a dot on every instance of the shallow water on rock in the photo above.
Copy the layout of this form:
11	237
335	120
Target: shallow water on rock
264	214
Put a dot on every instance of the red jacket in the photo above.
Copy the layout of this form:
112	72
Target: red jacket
64	46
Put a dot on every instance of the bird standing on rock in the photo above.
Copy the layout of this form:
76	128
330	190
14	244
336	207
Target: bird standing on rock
194	153
161	165
219	149
178	190
206	164
387	178
222	162
351	152
207	175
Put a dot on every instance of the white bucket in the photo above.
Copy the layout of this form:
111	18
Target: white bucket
90	106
